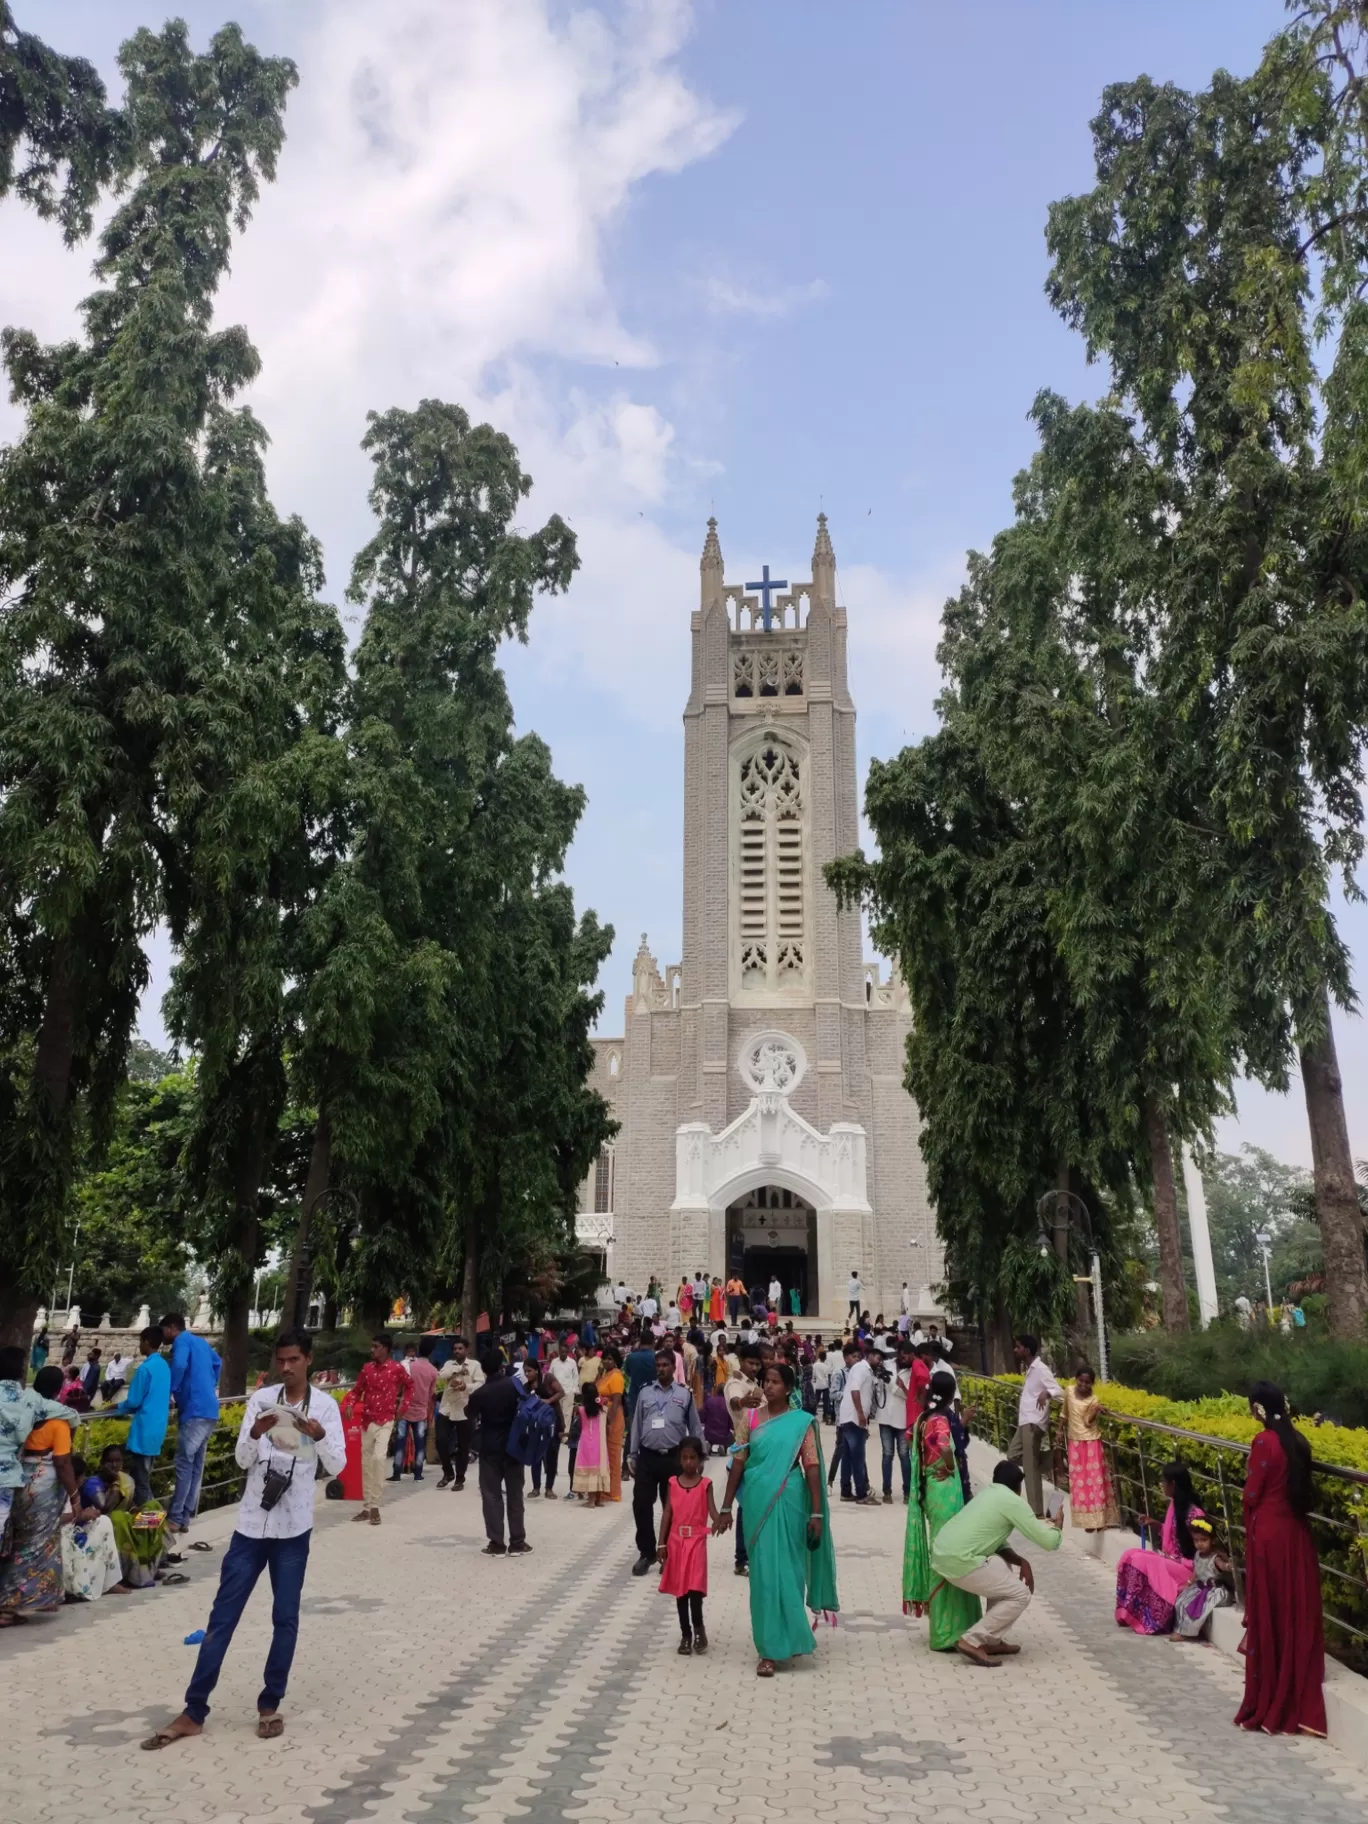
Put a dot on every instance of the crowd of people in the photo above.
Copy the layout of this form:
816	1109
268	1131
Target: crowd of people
77	1531
646	1403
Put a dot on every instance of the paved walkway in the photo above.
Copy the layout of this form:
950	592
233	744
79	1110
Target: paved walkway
433	1684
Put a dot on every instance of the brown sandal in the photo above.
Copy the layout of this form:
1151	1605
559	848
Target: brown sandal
269	1727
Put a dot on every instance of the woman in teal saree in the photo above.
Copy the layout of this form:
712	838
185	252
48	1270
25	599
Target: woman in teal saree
788	1525
937	1494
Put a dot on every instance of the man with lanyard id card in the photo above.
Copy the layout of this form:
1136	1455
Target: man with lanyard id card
274	1526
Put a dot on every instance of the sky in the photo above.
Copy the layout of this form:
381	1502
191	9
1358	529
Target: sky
757	258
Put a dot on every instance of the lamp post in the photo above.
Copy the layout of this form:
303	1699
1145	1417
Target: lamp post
1072	1204
301	1291
1264	1237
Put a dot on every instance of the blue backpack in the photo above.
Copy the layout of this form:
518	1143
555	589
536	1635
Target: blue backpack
533	1429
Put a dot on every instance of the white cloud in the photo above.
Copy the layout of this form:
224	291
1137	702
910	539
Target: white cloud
731	299
894	628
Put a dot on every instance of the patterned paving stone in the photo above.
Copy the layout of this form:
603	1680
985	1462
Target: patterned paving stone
433	1685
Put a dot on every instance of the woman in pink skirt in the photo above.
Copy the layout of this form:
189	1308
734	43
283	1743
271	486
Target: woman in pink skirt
1092	1499
1148	1583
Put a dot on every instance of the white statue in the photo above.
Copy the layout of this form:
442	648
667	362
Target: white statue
143	1319
40	1319
104	1320
73	1321
204	1317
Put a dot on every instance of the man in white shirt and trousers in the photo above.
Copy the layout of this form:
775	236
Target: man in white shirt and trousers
1032	1435
274	1527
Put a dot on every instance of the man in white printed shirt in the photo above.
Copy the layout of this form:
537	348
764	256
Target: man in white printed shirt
274	1527
1032	1434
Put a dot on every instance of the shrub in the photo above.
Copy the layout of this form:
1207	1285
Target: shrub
1318	1374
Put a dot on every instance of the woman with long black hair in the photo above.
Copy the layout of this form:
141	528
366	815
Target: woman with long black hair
1148	1582
1284	1643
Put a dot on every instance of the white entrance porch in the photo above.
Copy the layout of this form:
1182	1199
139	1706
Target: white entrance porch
770	1145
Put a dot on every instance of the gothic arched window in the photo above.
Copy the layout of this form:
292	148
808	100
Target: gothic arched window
770	883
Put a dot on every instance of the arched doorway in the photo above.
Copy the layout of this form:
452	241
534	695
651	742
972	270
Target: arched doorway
772	1234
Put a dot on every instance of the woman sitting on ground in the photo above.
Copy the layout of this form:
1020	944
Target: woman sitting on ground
1148	1582
139	1532
90	1556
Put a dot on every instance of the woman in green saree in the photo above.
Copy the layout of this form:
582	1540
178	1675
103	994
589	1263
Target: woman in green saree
937	1494
788	1526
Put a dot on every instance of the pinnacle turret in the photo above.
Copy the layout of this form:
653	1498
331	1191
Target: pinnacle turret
823	563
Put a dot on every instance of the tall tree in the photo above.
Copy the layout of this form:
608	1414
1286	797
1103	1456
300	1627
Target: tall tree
995	1060
59	142
380	999
118	560
1051	650
1225	234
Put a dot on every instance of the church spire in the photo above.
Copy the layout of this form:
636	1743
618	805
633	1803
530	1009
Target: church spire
710	566
824	565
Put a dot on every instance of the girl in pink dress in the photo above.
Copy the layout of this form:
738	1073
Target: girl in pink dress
591	1476
689	1511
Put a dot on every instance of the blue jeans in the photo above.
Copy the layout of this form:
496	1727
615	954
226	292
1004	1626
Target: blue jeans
892	1437
245	1560
850	1444
419	1429
192	1440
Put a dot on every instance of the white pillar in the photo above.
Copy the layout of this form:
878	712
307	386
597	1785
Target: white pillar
1201	1239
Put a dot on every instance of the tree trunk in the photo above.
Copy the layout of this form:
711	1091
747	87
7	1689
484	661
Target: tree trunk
17	1312
298	1281
470	1278
1172	1292
1000	1357
237	1300
1337	1204
34	1213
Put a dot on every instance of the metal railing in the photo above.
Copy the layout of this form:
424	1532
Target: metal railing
1137	1451
224	1479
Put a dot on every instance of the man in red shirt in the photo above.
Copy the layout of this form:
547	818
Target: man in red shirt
417	1408
382	1390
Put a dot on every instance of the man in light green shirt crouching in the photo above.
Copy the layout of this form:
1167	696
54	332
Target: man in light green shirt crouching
971	1551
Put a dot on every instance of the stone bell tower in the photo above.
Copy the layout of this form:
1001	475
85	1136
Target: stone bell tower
765	1129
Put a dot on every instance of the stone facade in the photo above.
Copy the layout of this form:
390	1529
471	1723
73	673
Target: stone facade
758	1083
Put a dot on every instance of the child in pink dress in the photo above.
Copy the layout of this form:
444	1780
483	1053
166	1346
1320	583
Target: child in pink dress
689	1510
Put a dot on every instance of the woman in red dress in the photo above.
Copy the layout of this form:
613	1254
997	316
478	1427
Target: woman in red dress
1284	1643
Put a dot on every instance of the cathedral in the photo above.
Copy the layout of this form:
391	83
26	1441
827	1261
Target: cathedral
765	1131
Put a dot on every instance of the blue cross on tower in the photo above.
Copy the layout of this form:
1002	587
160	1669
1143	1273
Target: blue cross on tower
765	589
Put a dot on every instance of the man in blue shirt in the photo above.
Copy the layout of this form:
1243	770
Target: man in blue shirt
148	1404
194	1387
663	1417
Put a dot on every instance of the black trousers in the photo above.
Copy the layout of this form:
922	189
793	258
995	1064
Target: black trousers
690	1610
453	1446
653	1471
501	1479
